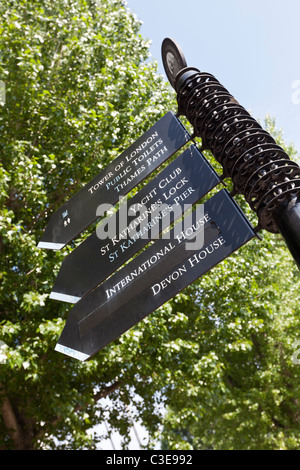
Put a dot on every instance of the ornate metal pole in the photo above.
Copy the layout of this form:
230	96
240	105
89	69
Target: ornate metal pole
259	168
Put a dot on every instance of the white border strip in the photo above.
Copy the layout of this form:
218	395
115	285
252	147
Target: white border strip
71	352
72	299
50	245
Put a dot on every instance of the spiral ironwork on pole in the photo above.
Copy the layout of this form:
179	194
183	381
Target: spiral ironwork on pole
259	168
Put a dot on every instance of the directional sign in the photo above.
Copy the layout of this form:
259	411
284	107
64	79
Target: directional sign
118	178
184	182
153	277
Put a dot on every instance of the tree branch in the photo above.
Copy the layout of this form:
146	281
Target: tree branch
11	423
107	391
102	394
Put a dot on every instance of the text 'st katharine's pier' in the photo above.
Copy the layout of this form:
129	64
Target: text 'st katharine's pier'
116	180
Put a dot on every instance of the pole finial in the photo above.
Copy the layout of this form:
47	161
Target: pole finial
173	59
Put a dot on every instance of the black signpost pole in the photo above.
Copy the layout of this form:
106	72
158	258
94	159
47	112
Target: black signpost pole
258	167
288	223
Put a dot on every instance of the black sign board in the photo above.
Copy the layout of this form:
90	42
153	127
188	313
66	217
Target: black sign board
152	149
124	300
184	182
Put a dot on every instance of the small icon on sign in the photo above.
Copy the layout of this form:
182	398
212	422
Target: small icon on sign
64	215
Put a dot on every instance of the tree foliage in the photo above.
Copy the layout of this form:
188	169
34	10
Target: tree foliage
79	90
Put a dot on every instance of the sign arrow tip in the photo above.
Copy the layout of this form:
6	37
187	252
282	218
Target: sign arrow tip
72	299
50	245
71	352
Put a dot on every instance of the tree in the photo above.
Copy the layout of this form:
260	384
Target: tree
80	89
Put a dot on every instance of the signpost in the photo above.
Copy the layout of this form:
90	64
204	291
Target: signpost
137	162
154	276
184	182
119	275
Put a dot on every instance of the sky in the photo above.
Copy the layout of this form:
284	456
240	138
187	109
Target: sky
252	48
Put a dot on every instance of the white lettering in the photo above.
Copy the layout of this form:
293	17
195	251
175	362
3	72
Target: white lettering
156	156
139	270
142	146
128	180
100	182
208	250
121	460
193	228
156	288
165	181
